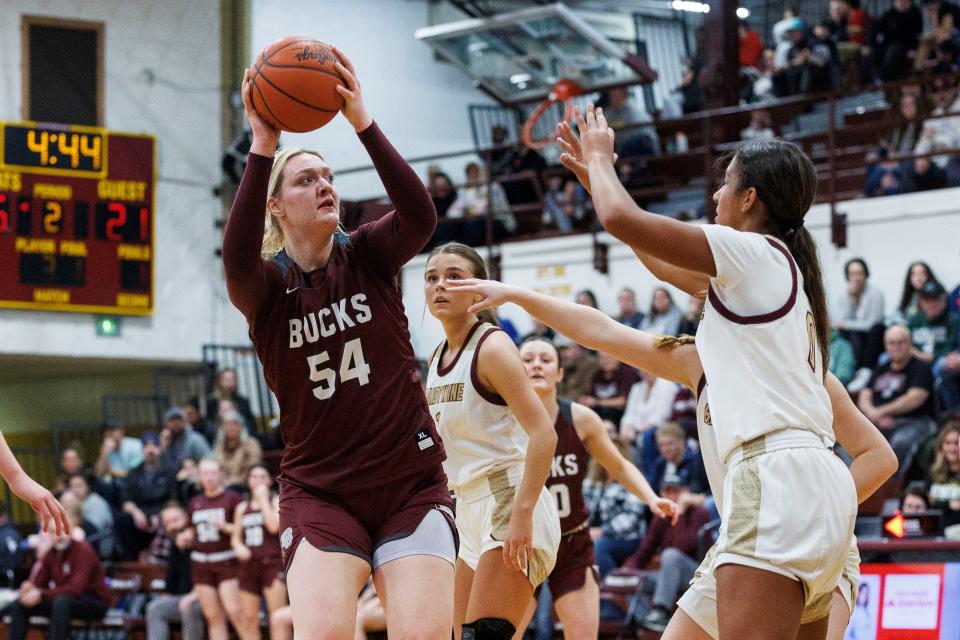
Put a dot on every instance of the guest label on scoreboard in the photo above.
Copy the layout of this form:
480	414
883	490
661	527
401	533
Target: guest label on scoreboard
76	219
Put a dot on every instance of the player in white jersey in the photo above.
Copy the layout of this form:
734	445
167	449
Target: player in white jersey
763	344
874	461
499	442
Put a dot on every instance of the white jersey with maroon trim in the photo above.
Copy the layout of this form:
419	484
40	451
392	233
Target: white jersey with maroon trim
716	470
480	433
758	343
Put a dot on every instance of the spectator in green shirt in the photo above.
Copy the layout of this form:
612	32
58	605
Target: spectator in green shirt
933	329
843	362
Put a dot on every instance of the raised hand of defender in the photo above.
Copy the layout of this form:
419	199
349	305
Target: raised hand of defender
353	108
596	136
490	292
42	501
265	136
572	156
518	545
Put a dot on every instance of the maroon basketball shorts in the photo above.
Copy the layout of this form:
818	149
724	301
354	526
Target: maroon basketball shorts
257	574
206	569
359	523
574	557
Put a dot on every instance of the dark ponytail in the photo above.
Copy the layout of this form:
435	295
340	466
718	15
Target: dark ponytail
478	266
786	183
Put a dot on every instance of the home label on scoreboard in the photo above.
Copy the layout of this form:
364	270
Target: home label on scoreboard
76	219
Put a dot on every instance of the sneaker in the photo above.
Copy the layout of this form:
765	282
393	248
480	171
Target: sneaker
656	620
860	380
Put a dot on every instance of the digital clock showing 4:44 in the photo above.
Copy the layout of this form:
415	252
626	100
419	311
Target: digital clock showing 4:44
53	149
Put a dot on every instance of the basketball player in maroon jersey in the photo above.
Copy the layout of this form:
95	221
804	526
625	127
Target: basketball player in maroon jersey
26	488
580	436
256	539
361	483
213	562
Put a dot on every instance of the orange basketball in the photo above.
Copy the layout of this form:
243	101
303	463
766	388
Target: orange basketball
294	84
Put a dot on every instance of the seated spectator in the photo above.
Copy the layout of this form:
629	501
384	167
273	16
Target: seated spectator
96	513
616	516
678	549
751	45
857	314
621	111
782	41
10	547
587	298
674	457
118	453
944	19
146	491
540	330
934	331
943	133
71	463
629	314
918	274
609	389
474	199
563	203
236	451
886	178
760	127
664	316
898	398
197	421
179	440
846	23
843	362
649	405
507	160
188	481
67	583
795	75
915	499
227	387
944	479
895	37
936	338
692	316
824	61
690	90
178	603
579	368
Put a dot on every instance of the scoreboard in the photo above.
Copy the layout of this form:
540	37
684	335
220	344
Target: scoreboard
76	219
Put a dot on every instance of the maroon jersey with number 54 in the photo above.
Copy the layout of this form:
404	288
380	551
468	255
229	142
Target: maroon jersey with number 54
334	342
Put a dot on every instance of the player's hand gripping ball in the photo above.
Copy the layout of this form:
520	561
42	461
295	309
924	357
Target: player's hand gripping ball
294	84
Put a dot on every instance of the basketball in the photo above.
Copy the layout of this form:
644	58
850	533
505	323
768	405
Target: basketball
294	84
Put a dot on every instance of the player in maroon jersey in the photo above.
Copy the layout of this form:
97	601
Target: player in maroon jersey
256	539
361	483
213	562
580	436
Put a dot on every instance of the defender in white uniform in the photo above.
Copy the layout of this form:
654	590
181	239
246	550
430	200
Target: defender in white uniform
790	504
874	461
700	600
486	448
500	444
